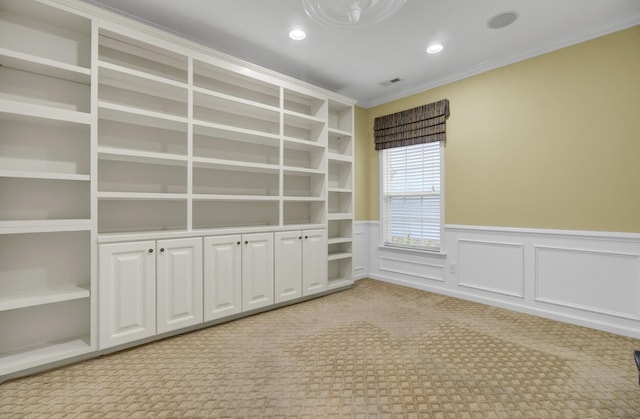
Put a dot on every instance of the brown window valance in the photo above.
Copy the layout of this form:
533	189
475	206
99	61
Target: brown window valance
424	124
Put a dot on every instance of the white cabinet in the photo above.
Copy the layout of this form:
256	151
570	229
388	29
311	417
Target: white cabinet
257	270
149	287
238	274
222	276
178	283
127	292
288	265
300	263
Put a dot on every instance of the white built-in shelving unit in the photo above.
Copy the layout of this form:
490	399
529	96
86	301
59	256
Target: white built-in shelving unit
47	223
112	132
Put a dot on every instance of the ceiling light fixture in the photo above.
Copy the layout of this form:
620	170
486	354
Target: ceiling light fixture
434	49
351	13
297	35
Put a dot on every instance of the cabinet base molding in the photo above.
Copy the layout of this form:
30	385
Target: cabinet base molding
114	349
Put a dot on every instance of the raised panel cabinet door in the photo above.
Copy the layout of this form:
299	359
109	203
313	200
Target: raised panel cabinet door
257	270
288	265
127	292
222	276
179	283
314	261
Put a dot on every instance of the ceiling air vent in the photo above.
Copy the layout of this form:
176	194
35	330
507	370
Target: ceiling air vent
390	82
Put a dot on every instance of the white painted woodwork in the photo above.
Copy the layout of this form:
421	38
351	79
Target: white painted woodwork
314	267
222	276
582	277
117	139
288	265
300	263
178	283
257	270
127	308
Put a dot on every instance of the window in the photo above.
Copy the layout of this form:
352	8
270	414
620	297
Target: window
412	196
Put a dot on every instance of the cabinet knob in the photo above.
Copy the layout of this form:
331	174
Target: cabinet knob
238	242
246	242
306	237
162	250
150	250
300	238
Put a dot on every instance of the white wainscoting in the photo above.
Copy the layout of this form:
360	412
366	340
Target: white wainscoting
586	278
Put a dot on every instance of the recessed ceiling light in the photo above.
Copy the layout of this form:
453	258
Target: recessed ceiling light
434	49
502	20
297	35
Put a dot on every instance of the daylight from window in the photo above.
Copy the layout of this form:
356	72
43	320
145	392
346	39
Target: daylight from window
411	196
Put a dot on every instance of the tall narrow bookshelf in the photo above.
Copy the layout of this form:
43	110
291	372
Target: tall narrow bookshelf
47	232
340	193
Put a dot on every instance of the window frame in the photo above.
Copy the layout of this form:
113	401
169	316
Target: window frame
383	243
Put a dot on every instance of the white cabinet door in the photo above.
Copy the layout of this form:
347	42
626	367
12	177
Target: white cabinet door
257	270
127	292
314	261
179	283
288	265
222	276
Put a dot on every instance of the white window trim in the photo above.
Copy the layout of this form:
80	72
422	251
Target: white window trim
382	243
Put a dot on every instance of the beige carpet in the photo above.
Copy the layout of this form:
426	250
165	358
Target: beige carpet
377	350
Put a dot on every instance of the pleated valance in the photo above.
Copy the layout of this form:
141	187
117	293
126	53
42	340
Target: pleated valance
424	124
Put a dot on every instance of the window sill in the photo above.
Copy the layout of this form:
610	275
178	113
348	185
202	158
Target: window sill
409	250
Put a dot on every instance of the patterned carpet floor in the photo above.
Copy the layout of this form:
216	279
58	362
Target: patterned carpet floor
374	351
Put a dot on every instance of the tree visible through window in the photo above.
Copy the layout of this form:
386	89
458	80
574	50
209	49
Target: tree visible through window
411	187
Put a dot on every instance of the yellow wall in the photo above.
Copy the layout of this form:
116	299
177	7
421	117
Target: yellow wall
550	142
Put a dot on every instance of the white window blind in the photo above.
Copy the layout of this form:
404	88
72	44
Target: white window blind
411	196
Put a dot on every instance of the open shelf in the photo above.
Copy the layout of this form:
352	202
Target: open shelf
45	308
132	89
303	212
298	156
42	296
37	354
33	264
340	119
229	112
305	104
340	202
141	177
236	147
300	127
225	213
340	175
229	180
218	79
41	148
302	184
340	143
140	117
44	66
122	213
340	272
44	199
54	37
340	231
45	91
141	57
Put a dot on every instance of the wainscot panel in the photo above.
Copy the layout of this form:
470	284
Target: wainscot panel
586	278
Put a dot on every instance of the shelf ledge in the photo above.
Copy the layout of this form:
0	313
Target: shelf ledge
44	66
40	297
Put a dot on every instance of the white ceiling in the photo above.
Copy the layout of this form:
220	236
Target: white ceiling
354	61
